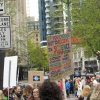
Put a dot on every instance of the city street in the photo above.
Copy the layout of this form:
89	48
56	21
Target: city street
72	98
49	49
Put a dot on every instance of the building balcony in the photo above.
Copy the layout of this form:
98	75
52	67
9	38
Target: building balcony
47	16
59	10
58	16
57	3
47	13
47	5
48	32
48	21
46	0
48	27
47	10
60	28
58	22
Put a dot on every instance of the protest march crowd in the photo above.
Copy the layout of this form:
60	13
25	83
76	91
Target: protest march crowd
81	88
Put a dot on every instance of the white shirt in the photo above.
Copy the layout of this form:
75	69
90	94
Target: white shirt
95	83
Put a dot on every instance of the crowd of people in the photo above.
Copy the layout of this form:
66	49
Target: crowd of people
83	88
50	90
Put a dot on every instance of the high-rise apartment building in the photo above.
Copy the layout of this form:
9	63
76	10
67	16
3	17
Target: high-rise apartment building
52	17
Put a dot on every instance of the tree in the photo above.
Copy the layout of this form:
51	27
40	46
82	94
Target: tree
86	23
37	56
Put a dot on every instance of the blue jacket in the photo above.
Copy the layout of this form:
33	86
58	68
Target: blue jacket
67	85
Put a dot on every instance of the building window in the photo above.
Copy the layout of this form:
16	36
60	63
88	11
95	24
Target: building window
36	39
75	55
36	35
79	54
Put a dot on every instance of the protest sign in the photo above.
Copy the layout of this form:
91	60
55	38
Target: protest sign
59	49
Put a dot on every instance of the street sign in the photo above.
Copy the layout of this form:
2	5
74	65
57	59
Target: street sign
5	32
2	7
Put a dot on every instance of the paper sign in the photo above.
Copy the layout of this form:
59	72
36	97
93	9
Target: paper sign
35	77
10	71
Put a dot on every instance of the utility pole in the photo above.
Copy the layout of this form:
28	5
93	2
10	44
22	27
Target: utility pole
2	52
2	55
69	33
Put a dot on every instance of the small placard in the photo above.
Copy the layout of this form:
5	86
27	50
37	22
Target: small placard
36	78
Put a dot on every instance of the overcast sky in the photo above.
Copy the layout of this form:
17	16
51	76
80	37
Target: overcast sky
33	8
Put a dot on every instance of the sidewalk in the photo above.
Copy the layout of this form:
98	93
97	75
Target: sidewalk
72	98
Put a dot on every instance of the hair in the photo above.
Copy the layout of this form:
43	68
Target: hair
27	90
86	90
5	92
32	97
50	91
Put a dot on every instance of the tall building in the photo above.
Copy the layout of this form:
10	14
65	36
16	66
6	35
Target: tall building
17	11
21	19
57	16
42	20
53	18
33	30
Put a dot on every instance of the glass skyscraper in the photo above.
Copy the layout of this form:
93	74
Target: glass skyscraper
42	20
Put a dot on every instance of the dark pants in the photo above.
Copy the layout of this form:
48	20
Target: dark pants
71	90
68	92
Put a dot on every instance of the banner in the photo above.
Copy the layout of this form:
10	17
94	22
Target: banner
59	55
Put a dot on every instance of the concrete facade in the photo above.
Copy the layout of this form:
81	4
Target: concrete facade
17	11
